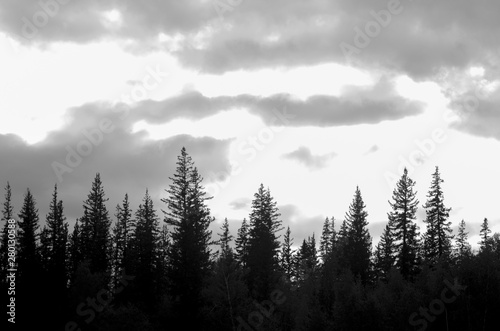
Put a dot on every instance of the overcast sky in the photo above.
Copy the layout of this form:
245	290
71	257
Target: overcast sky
310	98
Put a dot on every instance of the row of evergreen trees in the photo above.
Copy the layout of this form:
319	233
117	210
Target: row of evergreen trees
173	278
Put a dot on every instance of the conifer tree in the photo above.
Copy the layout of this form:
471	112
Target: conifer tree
145	246
385	254
123	231
402	218
462	247
437	238
57	242
328	239
75	250
189	251
242	244
358	244
95	228
485	243
287	256
224	241
307	259
29	293
29	258
263	244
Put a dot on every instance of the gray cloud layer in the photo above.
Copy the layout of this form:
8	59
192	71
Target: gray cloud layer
418	38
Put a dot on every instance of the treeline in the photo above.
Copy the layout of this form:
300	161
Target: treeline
135	270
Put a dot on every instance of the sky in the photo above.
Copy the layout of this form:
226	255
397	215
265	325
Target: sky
310	98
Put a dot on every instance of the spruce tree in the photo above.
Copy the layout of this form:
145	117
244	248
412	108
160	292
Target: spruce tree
358	244
224	241
145	246
28	236
485	243
122	240
29	293
57	241
287	257
189	251
263	244
437	238
402	218
307	259
242	244
95	228
385	254
75	250
328	239
462	247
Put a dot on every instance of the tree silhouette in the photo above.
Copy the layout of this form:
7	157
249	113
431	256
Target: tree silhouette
189	251
358	244
95	226
263	244
437	238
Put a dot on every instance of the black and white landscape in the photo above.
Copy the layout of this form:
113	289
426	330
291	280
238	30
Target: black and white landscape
250	164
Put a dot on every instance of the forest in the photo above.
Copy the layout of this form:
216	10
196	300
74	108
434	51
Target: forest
162	268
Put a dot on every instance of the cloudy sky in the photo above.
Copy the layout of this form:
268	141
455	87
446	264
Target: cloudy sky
310	98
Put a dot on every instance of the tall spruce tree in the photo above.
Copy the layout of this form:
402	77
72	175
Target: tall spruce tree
189	250
263	244
95	228
358	244
28	237
437	238
145	245
29	293
402	218
123	231
57	243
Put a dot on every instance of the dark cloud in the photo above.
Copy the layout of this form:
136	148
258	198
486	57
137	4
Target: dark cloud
128	162
304	156
357	105
478	114
419	39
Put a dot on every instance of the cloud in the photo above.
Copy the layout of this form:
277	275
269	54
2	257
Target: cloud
301	226
241	203
372	150
304	156
127	162
357	105
478	114
419	38
84	22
